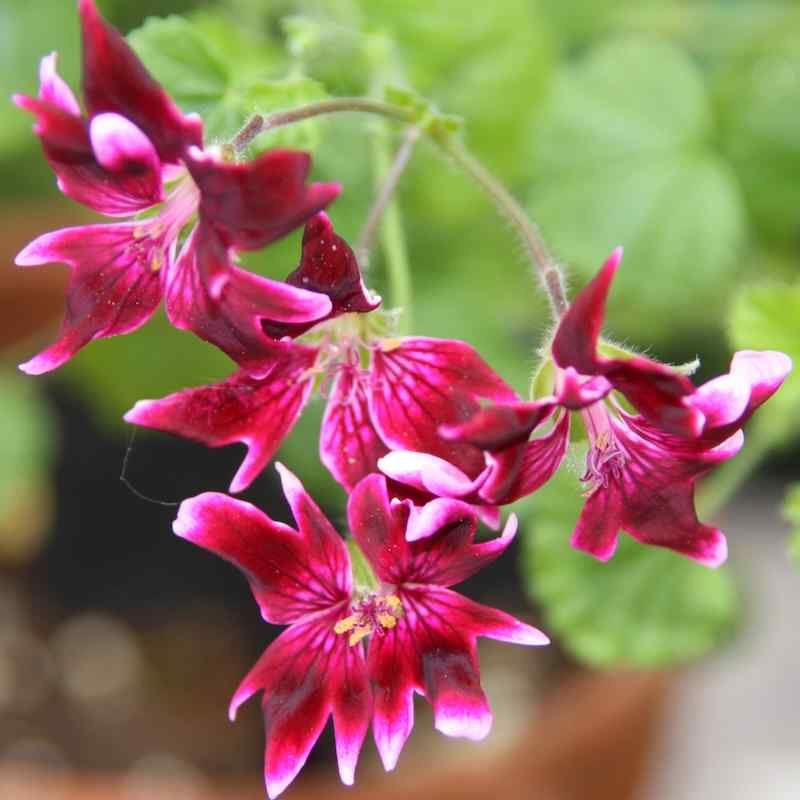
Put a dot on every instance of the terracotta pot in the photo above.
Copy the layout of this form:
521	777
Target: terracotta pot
591	741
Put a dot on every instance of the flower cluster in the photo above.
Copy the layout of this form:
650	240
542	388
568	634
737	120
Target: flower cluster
423	435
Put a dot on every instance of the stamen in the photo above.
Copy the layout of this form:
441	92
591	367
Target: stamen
374	614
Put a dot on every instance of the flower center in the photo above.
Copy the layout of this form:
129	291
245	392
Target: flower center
605	458
153	237
373	614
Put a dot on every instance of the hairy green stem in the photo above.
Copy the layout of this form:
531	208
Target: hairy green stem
547	269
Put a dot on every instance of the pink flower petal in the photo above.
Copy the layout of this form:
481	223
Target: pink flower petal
133	187
520	470
446	554
254	203
432	650
53	89
658	392
119	146
764	371
501	425
257	413
113	288
306	674
114	79
292	573
233	320
423	383
349	445
648	492
328	266
427	473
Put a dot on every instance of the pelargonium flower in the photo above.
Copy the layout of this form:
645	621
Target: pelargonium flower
357	653
382	392
641	468
135	152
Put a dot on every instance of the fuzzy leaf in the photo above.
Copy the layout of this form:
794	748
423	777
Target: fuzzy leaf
646	607
624	155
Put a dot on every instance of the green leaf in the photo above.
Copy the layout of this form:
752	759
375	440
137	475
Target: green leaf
645	607
215	68
624	155
791	511
756	90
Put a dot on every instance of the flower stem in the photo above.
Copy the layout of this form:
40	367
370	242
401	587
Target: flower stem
547	269
387	190
393	237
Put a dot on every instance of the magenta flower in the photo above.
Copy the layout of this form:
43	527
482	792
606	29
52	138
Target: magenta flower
420	636
641	468
382	392
135	152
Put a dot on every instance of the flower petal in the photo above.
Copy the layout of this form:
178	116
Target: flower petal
259	413
253	203
432	650
764	370
447	553
292	573
419	384
657	391
133	186
114	79
520	470
328	266
305	674
429	474
233	320
349	445
112	289
501	425
53	89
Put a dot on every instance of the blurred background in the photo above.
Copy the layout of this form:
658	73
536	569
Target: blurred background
668	126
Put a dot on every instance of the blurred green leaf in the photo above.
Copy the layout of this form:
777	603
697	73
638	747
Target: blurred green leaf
791	511
759	94
645	607
215	68
623	156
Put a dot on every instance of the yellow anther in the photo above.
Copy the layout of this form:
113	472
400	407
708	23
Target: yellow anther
387	345
157	261
603	440
358	634
395	606
387	620
347	624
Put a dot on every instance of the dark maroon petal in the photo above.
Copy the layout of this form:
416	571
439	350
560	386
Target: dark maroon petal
292	574
113	286
226	306
253	203
419	384
432	650
446	553
114	79
658	392
349	445
124	185
259	413
578	334
328	266
499	426
305	674
520	470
